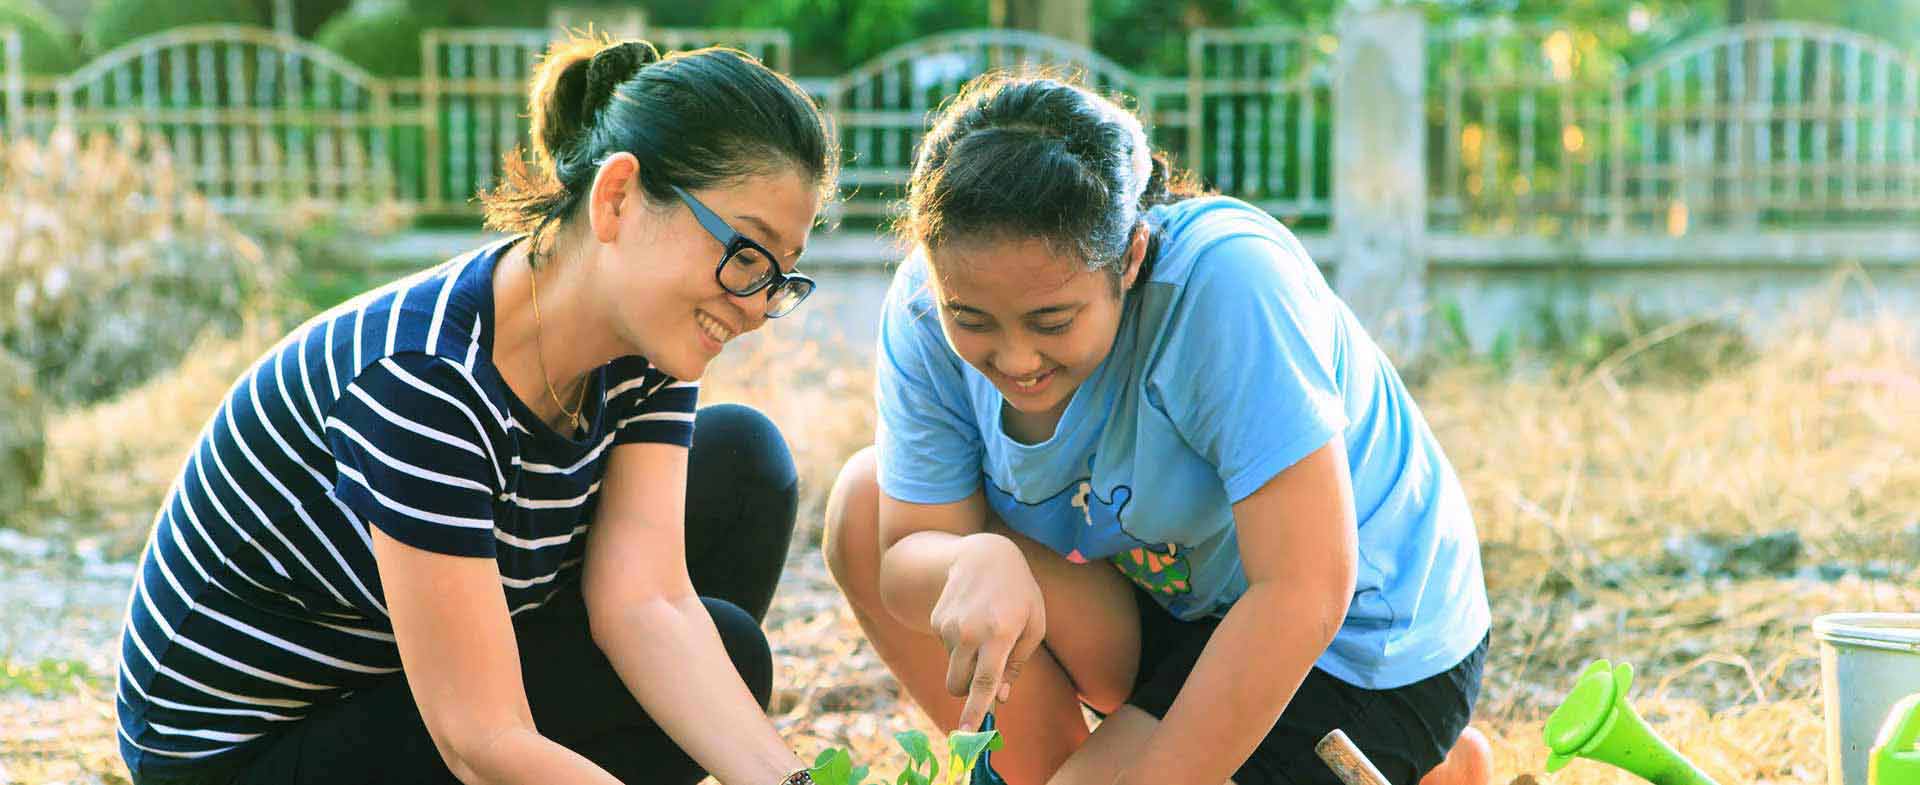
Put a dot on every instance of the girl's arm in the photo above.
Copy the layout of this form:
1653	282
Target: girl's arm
462	664
941	572
652	626
918	544
1299	544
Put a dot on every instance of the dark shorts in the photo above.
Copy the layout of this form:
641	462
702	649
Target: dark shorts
1405	731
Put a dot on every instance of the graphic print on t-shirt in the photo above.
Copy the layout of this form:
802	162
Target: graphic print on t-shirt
1080	525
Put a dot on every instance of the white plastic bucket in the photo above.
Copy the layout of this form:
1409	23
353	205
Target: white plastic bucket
1868	662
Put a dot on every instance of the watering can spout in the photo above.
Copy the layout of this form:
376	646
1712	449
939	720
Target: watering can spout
1896	753
1597	723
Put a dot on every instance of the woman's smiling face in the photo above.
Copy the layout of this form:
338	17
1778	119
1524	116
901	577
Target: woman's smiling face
1034	321
662	294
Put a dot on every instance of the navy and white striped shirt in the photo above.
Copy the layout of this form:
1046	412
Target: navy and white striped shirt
257	600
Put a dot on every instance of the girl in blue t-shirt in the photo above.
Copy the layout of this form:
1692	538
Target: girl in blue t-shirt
1134	453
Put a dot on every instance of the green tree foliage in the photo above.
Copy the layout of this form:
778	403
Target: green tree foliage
47	47
383	38
115	22
831	36
1150	36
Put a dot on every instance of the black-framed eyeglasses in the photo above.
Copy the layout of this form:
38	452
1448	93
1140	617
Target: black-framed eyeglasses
747	267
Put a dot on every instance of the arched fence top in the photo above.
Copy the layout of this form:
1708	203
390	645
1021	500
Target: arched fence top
1034	48
1751	32
185	38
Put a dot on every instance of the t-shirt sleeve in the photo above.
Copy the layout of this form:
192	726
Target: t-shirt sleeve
928	444
652	406
1248	371
415	449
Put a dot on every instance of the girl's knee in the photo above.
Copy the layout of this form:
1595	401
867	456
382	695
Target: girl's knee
852	538
746	645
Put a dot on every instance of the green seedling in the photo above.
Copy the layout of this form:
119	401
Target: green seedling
835	767
964	750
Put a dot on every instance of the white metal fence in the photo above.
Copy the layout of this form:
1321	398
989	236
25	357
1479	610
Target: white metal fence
1533	131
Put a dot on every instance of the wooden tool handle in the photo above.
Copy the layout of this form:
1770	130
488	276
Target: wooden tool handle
1346	760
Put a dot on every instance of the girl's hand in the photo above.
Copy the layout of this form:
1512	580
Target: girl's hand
991	617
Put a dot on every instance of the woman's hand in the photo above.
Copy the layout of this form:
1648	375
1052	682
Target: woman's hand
991	617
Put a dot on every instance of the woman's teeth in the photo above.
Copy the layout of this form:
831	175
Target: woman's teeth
714	329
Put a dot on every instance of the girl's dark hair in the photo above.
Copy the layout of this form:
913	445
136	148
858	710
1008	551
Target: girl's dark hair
1033	156
694	119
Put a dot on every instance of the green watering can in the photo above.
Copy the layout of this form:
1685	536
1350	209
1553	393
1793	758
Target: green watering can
1597	723
1896	752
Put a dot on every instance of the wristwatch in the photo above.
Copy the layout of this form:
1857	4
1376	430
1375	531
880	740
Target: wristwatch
801	777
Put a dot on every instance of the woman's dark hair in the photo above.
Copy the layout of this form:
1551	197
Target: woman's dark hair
1034	156
693	119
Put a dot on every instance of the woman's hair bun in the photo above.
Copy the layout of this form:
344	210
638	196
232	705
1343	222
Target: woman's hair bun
612	66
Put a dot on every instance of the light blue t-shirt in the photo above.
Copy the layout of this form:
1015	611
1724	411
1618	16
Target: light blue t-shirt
1233	361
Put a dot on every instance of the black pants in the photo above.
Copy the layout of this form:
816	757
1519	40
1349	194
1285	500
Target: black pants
741	502
1405	731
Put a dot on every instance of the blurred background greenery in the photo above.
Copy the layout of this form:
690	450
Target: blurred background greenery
831	36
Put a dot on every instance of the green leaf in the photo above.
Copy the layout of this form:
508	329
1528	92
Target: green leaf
858	777
833	767
964	750
919	750
922	765
967	747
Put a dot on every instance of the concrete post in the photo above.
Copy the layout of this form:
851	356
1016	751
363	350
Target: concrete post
1380	172
1068	20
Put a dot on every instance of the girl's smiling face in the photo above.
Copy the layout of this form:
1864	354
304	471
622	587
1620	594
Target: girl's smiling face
1035	322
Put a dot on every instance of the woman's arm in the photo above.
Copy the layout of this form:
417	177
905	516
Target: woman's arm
463	666
652	626
1299	544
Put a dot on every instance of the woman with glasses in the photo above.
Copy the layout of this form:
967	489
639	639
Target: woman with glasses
469	526
1134	454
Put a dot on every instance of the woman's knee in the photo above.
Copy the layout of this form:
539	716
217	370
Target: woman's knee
736	442
851	543
746	646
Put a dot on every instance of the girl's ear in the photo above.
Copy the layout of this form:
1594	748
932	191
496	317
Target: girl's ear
1136	255
612	195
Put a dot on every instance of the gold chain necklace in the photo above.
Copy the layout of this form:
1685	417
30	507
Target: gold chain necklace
539	352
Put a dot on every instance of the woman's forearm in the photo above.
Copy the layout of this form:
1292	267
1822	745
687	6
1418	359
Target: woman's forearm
521	756
700	701
1250	669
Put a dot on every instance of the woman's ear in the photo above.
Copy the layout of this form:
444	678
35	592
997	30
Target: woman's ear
613	195
1136	255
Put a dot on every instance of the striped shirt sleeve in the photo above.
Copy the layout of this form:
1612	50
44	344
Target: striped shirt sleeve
414	446
652	406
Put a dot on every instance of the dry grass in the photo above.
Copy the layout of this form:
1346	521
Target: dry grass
108	465
1820	435
1579	480
112	264
820	393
